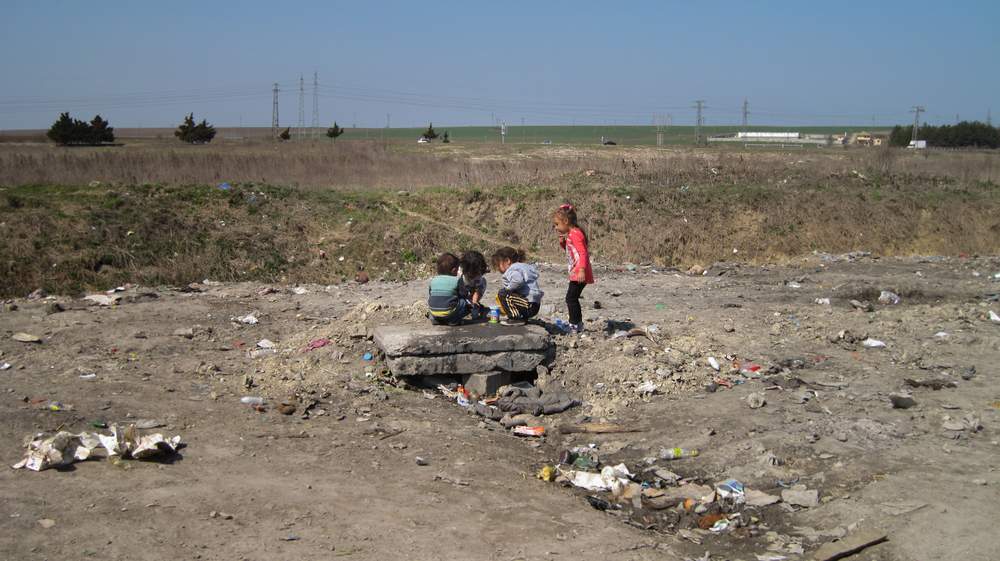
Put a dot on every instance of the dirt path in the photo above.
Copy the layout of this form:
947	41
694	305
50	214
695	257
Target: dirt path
346	483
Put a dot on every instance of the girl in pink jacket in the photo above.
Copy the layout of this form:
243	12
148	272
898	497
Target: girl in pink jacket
573	239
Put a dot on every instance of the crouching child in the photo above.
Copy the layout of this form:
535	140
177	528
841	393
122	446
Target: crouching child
443	296
520	297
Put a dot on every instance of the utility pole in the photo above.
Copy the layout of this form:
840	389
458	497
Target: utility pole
917	110
746	112
274	112
388	117
658	121
315	119
699	104
989	118
302	108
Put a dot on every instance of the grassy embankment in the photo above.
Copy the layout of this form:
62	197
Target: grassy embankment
160	219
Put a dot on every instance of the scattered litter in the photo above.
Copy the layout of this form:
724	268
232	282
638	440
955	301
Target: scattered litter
252	400
46	523
713	363
248	319
298	290
26	338
823	301
89	376
420	461
265	344
317	344
873	343
888	297
677	453
941	334
102	299
367	357
529	431
793	284
647	388
994	317
611	478
730	493
65	448
224	186
5	366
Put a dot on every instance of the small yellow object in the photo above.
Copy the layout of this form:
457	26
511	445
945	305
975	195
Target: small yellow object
547	473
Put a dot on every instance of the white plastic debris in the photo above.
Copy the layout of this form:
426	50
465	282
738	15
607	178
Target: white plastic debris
248	319
713	363
611	478
823	301
647	387
265	344
889	297
64	448
102	299
994	317
873	343
299	290
5	366
793	284
941	334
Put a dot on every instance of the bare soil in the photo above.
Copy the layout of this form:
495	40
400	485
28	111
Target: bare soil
346	483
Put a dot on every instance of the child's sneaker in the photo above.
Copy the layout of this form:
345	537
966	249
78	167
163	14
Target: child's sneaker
576	329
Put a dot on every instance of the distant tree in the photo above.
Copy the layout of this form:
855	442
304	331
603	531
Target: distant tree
445	138
195	133
429	133
67	130
334	131
61	131
900	136
100	132
285	134
966	134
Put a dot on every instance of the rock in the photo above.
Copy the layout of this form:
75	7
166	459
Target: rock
850	545
696	270
900	401
477	338
841	436
465	363
863	306
485	383
286	409
756	400
103	299
361	277
799	496
26	338
759	498
185	332
421	462
54	308
728	326
46	523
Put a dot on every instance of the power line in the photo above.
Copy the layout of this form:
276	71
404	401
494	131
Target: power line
700	106
274	112
917	110
315	119
300	130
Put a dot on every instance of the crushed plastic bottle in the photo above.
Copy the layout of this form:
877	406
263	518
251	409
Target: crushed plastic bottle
252	400
676	453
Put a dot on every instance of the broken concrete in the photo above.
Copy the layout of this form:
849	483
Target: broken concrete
485	383
476	338
467	349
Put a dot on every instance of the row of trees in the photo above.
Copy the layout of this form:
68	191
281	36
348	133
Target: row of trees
69	131
962	135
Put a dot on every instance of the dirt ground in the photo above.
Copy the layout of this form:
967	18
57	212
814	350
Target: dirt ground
339	476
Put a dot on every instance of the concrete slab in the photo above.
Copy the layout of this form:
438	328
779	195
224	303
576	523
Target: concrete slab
465	363
398	341
485	383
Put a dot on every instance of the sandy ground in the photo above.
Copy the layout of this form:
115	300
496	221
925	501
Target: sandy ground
339	477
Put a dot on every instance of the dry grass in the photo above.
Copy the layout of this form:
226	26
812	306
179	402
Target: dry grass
668	207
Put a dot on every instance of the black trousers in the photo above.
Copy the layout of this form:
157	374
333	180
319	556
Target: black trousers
573	301
515	306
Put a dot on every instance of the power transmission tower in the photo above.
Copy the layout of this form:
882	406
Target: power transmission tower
274	112
699	104
315	119
302	107
917	110
746	111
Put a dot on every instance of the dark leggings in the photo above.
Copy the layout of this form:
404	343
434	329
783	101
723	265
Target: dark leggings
573	302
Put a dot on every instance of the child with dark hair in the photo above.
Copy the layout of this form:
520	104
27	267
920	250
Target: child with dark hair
573	239
472	283
519	297
443	295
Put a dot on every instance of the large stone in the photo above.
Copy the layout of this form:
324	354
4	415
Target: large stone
485	383
465	363
397	341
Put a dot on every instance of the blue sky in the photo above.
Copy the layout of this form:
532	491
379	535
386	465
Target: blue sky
456	63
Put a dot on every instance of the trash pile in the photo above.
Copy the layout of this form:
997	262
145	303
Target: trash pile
516	406
64	448
649	496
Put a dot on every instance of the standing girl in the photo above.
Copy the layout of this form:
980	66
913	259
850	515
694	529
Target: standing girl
573	239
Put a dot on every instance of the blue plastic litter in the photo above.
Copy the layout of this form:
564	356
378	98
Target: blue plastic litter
225	186
368	356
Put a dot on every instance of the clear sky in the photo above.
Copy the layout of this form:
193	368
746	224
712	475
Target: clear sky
456	63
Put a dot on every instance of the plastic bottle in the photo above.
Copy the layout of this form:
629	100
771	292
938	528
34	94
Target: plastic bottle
676	453
252	400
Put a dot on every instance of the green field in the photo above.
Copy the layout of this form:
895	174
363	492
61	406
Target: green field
579	134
